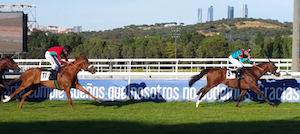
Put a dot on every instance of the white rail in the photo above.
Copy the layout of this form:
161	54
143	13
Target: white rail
157	65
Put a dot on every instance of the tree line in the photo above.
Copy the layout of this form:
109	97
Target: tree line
239	29
189	45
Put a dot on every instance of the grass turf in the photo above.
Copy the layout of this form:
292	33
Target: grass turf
124	117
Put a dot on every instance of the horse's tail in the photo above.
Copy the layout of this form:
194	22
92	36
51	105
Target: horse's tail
199	76
14	81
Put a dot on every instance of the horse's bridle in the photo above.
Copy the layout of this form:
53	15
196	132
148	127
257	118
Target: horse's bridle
273	69
89	67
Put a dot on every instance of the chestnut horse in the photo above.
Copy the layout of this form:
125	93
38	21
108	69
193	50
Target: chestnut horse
251	76
6	64
68	78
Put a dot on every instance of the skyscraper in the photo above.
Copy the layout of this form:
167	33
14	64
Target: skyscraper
244	11
199	15
77	29
210	14
230	13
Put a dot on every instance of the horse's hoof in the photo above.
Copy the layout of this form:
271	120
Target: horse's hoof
6	99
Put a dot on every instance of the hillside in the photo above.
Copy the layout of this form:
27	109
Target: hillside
240	29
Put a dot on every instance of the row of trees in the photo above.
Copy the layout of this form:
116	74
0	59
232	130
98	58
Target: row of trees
189	45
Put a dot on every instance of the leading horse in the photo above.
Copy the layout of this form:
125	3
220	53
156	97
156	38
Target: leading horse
251	76
6	63
32	78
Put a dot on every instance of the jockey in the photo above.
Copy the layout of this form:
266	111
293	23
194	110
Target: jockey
238	57
53	55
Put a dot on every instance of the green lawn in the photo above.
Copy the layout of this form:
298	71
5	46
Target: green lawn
55	117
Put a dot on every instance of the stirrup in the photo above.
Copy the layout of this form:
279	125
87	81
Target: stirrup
240	77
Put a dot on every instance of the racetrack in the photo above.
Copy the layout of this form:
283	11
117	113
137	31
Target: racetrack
55	117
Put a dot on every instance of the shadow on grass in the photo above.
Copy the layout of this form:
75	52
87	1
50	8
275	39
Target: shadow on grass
120	103
120	127
275	90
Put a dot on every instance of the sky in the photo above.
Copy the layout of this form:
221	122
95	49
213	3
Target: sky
109	14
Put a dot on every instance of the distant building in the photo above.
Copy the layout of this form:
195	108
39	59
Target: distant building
230	13
199	15
51	29
77	29
210	14
90	30
244	11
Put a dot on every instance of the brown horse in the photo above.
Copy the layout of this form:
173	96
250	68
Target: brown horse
68	78
6	64
251	76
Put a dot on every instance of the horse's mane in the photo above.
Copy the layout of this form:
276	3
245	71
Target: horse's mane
76	59
260	65
6	57
82	56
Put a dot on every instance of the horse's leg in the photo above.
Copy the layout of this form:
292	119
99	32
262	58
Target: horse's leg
198	93
6	88
258	91
79	87
69	98
1	94
204	91
24	97
22	87
240	97
31	89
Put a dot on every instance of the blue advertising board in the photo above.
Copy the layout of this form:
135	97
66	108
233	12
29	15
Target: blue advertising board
285	90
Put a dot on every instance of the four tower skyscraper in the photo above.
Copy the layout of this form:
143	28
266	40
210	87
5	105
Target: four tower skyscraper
230	13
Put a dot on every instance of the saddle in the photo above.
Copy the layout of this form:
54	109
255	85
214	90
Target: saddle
240	74
235	75
48	75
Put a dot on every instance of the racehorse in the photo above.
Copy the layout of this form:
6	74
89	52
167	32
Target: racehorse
251	76
68	78
6	64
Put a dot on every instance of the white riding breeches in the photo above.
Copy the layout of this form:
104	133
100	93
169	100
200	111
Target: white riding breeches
235	62
53	60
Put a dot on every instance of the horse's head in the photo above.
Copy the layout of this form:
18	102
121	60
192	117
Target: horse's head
85	64
9	63
272	68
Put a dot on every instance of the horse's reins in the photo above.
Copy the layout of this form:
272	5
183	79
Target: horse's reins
77	67
80	67
258	67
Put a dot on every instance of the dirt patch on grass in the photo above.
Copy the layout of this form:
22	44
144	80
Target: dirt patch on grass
255	24
207	34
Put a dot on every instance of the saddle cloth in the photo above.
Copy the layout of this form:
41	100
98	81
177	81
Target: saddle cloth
45	74
230	74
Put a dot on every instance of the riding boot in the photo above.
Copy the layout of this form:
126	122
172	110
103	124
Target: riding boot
53	75
239	73
59	71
